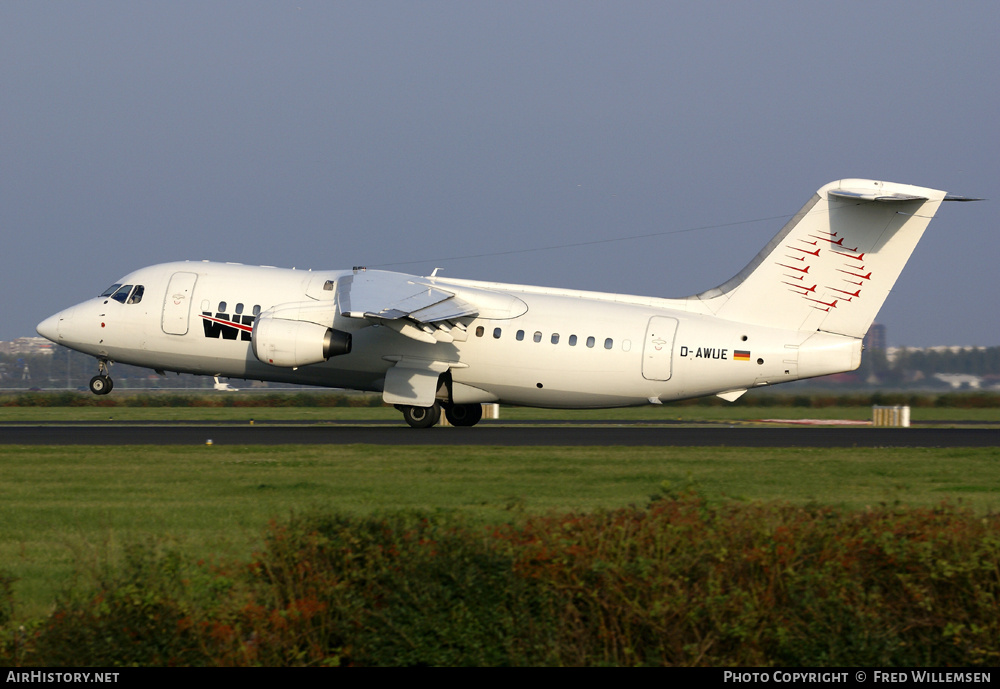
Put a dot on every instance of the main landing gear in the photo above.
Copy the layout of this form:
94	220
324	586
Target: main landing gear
421	417
101	384
464	414
457	414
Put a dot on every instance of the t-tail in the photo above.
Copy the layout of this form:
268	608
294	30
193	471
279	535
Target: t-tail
832	265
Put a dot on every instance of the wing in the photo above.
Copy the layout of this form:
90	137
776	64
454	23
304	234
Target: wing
414	307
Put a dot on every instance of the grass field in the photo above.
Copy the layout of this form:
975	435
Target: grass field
62	509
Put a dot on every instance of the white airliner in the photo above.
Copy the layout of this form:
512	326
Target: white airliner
798	310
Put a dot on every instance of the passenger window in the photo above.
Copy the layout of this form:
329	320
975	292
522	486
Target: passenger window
256	309
222	307
480	331
496	333
591	341
136	294
537	336
609	343
122	294
111	290
239	308
555	338
520	335
572	340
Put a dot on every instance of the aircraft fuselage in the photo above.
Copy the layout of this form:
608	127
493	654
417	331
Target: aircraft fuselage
543	347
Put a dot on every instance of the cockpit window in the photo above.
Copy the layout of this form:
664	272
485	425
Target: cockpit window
136	296
122	294
111	290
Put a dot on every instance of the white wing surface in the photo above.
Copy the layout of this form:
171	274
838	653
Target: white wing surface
413	306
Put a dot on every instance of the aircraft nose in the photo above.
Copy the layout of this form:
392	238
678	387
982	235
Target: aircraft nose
49	328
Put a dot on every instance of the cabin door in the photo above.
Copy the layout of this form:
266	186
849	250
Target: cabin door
177	303
658	348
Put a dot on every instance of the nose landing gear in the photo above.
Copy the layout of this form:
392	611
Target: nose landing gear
101	384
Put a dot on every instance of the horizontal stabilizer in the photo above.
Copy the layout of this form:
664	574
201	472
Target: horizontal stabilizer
869	196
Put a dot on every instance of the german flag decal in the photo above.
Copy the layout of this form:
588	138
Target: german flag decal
741	355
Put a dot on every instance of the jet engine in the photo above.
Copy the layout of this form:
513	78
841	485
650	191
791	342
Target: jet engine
290	344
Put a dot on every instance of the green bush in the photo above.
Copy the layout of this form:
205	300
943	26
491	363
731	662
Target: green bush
679	582
401	590
134	613
684	583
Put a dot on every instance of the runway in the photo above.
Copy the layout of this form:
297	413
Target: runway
490	434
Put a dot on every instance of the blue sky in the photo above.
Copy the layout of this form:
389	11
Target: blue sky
415	135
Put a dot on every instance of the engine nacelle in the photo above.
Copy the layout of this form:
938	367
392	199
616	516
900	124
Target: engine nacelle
290	344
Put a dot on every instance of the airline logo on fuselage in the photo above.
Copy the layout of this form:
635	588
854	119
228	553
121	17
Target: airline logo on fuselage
228	327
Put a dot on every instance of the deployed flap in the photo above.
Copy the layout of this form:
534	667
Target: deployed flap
383	295
423	309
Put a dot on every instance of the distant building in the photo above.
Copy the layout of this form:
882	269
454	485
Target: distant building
893	352
960	380
27	345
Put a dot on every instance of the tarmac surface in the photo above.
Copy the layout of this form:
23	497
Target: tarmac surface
488	434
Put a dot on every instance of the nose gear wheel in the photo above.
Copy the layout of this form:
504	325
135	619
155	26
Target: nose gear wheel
101	384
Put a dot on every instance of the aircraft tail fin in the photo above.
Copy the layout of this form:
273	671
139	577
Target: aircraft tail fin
833	264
